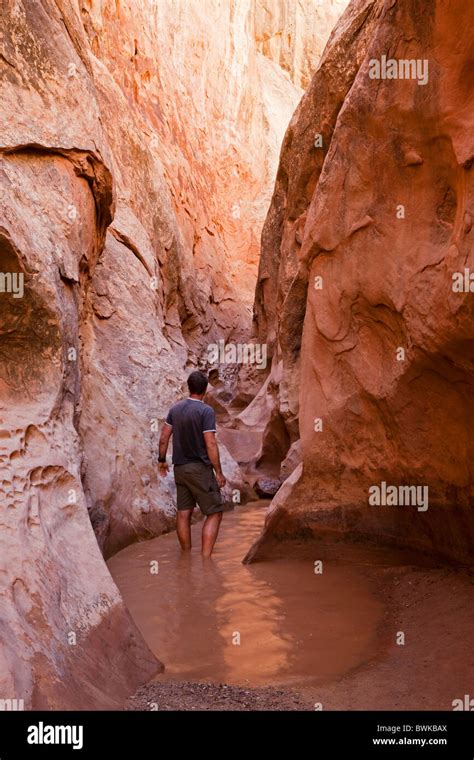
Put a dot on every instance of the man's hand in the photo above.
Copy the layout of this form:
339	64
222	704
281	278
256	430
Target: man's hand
221	481
163	469
213	454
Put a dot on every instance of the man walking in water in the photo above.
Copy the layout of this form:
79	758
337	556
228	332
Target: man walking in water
192	423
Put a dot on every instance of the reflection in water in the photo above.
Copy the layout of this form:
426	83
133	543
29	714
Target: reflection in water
294	627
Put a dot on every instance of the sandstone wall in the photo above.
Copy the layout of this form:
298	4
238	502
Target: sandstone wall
62	615
359	250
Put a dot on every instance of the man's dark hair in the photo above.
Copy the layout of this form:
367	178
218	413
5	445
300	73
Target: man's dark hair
197	382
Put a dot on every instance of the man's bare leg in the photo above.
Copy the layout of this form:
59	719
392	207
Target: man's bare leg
183	528
210	529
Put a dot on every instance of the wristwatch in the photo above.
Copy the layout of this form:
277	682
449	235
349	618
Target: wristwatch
162	460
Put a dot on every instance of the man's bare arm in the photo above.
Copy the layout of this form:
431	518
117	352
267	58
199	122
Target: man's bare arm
166	433
213	454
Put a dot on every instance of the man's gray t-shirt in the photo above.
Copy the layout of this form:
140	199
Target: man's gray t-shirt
189	419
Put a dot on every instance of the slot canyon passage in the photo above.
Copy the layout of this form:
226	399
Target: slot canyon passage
183	177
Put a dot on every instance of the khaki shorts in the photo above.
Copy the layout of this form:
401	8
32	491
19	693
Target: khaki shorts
196	482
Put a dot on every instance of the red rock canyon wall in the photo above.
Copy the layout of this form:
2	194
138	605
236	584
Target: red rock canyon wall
363	284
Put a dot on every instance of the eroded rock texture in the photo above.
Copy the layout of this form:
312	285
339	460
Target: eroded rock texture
359	250
138	144
61	614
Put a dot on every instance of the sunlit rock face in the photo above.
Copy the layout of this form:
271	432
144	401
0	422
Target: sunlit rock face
363	284
294	34
138	146
213	93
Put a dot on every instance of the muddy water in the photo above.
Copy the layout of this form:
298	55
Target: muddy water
295	627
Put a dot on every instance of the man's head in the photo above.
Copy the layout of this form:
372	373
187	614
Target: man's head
197	383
